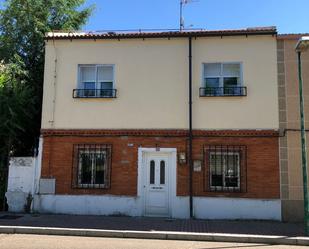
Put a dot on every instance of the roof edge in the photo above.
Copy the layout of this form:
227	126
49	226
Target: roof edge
165	34
292	36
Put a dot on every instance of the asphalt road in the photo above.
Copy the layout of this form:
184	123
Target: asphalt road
18	241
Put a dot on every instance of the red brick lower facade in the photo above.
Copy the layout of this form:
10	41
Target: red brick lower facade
261	162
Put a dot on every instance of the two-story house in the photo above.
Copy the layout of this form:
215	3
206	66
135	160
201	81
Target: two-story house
167	124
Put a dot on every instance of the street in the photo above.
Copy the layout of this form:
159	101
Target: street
18	241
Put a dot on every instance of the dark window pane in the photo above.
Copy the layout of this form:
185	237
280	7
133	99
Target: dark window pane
212	86
231	181
212	82
106	89
230	86
230	81
152	172
85	168
216	180
162	172
89	85
89	88
107	85
99	168
216	166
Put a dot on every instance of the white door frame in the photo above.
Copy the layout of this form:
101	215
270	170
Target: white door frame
172	175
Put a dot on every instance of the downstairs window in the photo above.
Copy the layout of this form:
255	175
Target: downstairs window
225	168
92	166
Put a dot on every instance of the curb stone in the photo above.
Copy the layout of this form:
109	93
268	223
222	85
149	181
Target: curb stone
218	237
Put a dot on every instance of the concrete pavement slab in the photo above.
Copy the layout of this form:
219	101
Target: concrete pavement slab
239	238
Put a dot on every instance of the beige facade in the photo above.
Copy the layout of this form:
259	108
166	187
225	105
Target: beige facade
96	144
151	78
290	149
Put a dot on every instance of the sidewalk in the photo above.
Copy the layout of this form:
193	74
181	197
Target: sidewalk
270	232
154	224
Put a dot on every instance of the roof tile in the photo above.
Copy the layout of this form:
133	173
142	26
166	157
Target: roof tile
159	34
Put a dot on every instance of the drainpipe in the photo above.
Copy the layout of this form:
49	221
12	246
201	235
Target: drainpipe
303	145
190	129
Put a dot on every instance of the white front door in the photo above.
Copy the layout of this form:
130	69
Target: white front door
156	184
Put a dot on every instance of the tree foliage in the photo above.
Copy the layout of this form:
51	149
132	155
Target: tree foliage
23	24
16	112
16	105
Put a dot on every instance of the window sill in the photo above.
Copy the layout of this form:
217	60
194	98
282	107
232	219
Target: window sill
94	97
224	190
91	186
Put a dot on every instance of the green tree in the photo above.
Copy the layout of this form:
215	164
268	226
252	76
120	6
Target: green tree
23	24
16	112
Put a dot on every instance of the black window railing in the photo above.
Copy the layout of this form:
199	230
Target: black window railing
223	91
94	93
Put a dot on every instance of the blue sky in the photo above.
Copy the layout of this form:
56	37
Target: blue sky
290	16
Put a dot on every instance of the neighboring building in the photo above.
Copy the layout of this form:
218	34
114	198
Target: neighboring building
289	117
115	124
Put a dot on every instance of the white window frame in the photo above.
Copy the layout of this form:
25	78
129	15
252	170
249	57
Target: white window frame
221	76
91	185
237	153
97	83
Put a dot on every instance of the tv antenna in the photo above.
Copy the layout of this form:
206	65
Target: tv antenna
181	20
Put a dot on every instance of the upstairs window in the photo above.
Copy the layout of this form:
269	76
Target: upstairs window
96	81
222	79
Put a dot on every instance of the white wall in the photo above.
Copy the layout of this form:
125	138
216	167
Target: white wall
88	204
236	208
23	179
20	174
204	207
20	182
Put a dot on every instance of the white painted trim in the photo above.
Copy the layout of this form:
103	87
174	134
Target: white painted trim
172	176
79	83
241	83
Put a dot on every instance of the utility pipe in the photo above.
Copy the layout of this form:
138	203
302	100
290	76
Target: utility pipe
303	145
190	161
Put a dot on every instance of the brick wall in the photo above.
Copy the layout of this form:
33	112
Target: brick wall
262	162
